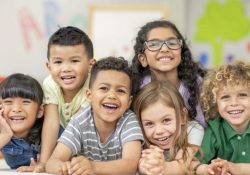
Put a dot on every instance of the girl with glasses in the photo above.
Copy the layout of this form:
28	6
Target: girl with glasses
161	53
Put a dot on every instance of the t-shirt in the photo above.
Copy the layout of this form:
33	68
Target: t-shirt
54	95
82	138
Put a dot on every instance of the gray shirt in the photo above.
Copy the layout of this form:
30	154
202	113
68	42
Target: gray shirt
82	137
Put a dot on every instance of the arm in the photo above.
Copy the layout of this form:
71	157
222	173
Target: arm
127	165
50	131
58	163
5	131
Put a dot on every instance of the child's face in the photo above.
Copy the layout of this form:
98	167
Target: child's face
165	59
20	114
109	96
69	66
234	106
159	124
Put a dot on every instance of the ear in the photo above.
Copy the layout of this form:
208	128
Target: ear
40	111
91	63
143	60
88	95
48	65
184	116
130	101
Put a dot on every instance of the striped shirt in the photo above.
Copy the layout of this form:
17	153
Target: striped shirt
82	137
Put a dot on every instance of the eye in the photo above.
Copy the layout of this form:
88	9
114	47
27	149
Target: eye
75	60
103	88
224	97
121	91
166	120
148	124
27	101
173	42
154	43
7	101
57	62
243	94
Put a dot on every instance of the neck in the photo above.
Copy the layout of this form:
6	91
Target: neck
69	95
163	76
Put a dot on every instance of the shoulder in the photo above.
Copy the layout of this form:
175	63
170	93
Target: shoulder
193	124
82	117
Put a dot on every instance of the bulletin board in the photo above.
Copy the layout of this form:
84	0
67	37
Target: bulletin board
113	28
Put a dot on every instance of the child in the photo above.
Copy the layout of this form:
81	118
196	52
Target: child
105	138
21	119
70	56
163	117
225	99
161	53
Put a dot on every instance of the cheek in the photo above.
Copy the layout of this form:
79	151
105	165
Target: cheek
148	132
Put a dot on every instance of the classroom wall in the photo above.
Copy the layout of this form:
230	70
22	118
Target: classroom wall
27	24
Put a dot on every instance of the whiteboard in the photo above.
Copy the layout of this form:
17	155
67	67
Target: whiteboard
113	28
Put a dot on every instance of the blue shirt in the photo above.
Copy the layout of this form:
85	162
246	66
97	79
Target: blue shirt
18	152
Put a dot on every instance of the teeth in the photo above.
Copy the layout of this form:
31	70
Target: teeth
235	112
110	105
165	59
162	139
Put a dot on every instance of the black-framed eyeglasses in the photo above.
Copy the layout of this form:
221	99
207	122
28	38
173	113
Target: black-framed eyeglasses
155	44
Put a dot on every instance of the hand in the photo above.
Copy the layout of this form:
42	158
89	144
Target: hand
152	161
222	166
81	166
35	166
64	169
4	126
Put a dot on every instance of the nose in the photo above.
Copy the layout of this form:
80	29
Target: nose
234	102
159	129
16	107
112	94
164	47
66	67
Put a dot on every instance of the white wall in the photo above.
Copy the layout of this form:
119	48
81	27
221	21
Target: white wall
27	24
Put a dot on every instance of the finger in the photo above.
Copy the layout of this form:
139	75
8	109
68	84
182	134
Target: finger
25	169
32	161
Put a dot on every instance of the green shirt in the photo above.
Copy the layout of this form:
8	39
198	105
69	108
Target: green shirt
221	140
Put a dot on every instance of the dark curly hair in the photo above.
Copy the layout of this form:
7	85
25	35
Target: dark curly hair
110	63
188	70
24	86
71	36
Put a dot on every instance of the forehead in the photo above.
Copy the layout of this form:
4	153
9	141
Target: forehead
112	77
67	49
233	88
161	33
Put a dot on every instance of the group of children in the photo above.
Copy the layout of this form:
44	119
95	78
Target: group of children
107	117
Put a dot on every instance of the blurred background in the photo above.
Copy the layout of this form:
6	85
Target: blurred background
217	31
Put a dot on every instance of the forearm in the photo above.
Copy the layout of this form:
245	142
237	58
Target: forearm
5	138
239	168
173	167
54	166
115	167
49	138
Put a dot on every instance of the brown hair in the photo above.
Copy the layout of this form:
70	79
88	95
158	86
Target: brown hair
168	95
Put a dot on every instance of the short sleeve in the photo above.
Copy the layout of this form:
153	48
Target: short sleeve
208	146
131	129
195	133
71	136
50	89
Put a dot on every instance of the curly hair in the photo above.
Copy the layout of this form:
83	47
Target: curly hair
24	86
71	36
188	70
237	73
110	63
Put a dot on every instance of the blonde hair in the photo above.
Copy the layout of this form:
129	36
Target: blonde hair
237	73
168	95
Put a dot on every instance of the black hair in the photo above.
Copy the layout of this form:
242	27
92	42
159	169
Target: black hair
110	63
71	36
24	86
187	69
